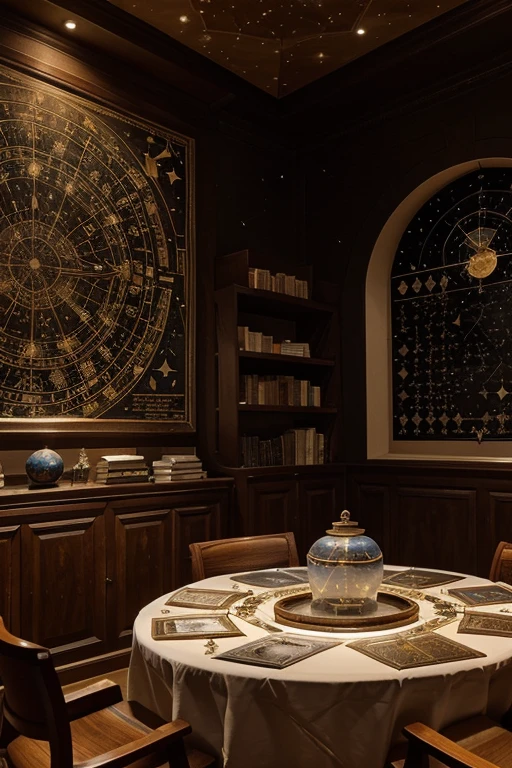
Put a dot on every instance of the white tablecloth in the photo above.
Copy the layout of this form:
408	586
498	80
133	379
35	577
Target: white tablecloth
338	709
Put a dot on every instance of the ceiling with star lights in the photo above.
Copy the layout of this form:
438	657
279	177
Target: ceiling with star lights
282	46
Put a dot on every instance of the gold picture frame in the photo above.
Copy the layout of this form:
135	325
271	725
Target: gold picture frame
211	599
278	651
405	651
483	623
194	627
487	594
111	221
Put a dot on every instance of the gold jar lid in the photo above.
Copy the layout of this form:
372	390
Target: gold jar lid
345	526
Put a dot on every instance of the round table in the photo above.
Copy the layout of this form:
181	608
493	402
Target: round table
337	709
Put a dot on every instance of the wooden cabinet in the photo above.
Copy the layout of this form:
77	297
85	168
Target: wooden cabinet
302	502
63	586
75	573
139	565
274	409
320	503
10	572
198	522
433	514
272	505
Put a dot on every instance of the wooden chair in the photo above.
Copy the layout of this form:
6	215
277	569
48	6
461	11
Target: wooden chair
477	742
501	568
90	728
247	553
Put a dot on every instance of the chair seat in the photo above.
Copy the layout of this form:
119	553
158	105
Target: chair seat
480	735
95	735
483	737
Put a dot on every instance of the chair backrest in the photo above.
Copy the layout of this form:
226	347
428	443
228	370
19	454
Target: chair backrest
501	568
33	702
247	553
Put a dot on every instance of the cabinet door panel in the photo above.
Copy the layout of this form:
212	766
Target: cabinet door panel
435	528
371	508
190	524
63	586
273	507
320	502
10	577
141	567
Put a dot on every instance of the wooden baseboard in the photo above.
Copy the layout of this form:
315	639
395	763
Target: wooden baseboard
97	665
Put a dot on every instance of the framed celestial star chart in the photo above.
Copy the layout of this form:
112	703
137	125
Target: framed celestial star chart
96	265
451	299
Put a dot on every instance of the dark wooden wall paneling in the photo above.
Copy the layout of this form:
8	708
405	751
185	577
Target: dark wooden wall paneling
354	183
449	517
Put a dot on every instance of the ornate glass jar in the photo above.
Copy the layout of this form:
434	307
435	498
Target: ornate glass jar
345	569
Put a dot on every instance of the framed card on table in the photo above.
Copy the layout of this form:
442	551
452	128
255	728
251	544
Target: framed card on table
194	626
211	599
407	651
480	623
415	578
273	579
488	594
277	651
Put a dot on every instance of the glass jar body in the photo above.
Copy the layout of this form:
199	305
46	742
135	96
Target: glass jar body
345	573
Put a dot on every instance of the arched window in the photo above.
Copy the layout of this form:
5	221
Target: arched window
447	318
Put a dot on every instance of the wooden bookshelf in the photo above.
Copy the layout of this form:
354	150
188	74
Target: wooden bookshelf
300	497
283	317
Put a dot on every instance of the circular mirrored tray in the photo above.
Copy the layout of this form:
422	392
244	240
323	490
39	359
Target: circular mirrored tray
392	611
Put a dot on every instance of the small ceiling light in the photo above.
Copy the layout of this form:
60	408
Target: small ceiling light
70	24
361	31
183	19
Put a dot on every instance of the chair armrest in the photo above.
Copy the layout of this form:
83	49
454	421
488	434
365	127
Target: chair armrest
160	739
92	698
424	740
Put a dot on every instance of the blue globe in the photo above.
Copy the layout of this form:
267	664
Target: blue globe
44	467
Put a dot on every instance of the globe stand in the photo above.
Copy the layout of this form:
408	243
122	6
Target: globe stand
32	486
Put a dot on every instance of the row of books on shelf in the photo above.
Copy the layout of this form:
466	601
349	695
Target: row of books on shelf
295	446
254	341
132	468
279	283
277	390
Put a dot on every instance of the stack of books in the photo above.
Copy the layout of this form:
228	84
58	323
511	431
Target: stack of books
254	341
295	446
278	390
180	467
279	283
122	469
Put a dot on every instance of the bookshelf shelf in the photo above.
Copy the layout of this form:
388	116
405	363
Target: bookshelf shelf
288	408
288	384
263	302
281	360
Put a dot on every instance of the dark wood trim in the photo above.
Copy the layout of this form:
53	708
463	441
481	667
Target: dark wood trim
98	75
18	502
373	88
99	665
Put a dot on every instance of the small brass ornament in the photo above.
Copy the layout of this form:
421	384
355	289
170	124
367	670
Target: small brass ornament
211	646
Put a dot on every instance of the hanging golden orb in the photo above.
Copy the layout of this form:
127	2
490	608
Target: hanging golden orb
482	263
